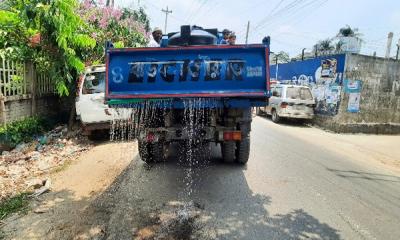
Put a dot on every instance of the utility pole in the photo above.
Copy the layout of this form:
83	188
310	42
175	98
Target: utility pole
247	31
166	18
389	45
316	50
398	49
277	66
302	54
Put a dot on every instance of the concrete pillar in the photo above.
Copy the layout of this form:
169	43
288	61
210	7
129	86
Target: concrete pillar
3	117
389	45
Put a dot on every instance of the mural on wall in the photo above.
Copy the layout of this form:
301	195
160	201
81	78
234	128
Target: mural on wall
324	75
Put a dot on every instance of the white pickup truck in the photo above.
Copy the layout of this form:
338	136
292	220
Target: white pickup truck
90	106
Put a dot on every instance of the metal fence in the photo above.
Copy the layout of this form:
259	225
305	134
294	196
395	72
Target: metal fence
19	80
12	78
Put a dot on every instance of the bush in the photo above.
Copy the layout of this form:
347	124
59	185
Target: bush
23	130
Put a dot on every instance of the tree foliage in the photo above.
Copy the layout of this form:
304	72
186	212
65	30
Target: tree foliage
49	33
60	36
280	57
348	31
124	26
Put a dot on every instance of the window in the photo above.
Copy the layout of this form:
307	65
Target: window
94	83
301	93
277	92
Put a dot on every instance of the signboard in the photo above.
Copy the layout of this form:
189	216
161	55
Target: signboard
352	86
354	103
214	71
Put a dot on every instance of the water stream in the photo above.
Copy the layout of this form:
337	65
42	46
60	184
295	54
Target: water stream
131	121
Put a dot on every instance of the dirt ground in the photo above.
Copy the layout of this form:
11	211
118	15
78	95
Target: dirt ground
59	214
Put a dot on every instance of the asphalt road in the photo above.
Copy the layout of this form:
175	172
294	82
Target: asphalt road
290	189
299	183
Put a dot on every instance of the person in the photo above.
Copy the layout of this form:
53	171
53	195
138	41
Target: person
232	39
157	36
225	34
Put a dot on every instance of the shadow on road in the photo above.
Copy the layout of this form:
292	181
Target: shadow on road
229	209
365	175
288	122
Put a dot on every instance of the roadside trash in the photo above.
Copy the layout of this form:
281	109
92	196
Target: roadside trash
23	167
20	147
5	153
35	183
43	140
42	189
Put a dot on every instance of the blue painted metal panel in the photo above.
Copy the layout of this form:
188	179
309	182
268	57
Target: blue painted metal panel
310	70
214	71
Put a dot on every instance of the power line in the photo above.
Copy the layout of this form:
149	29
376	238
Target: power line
295	16
288	7
292	12
191	10
197	11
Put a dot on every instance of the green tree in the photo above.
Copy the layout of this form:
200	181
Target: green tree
125	27
280	57
49	33
348	31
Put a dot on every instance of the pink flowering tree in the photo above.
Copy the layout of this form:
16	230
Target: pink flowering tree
124	27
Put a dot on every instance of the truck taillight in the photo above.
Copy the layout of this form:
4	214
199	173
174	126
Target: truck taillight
233	136
284	104
151	137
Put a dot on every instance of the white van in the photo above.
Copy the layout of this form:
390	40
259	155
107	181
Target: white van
90	105
290	101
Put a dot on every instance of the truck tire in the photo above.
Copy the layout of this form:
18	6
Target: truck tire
243	150
151	152
228	151
258	111
274	116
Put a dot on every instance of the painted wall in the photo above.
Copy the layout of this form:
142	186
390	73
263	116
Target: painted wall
379	100
324	75
363	95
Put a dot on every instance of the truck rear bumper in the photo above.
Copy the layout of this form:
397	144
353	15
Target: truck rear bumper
297	115
175	134
88	127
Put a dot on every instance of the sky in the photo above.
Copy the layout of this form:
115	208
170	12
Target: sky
292	24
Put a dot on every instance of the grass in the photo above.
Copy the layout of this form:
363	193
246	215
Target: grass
14	204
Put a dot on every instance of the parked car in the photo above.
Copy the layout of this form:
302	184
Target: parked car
90	105
290	101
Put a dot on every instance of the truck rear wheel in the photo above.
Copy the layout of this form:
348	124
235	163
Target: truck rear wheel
243	150
228	151
151	152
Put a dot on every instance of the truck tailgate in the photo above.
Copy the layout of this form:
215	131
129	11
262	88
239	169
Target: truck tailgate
203	71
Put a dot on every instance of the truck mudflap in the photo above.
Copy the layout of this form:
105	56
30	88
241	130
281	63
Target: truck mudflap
218	71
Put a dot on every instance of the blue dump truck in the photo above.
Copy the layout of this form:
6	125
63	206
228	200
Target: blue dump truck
190	90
